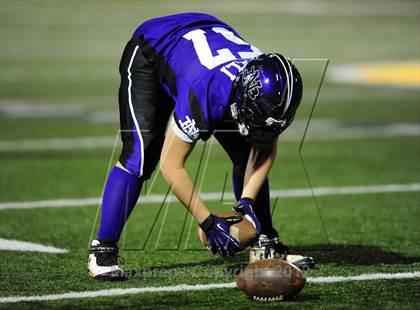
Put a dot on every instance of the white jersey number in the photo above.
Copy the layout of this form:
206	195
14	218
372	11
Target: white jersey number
205	55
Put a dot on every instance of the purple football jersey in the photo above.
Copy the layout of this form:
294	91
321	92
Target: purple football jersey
197	57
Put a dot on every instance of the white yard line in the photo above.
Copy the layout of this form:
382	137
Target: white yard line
17	245
57	144
319	130
217	196
197	287
366	277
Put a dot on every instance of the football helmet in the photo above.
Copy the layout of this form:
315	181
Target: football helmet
265	96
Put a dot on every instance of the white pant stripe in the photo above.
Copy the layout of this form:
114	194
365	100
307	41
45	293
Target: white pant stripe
132	109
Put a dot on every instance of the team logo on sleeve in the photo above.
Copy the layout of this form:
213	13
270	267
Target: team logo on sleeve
188	126
250	79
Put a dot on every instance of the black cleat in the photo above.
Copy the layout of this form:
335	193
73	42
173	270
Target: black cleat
103	262
272	248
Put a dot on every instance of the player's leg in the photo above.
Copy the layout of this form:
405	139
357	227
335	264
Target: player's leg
120	196
144	112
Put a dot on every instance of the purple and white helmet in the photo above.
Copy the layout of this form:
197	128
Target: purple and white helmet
265	96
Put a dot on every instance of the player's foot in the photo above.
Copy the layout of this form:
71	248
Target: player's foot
103	262
269	248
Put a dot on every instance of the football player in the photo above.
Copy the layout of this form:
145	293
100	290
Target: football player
198	72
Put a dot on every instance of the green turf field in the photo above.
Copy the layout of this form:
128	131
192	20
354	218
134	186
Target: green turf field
58	123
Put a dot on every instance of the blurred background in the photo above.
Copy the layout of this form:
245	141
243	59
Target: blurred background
59	136
59	82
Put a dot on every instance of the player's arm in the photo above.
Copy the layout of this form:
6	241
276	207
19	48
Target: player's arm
259	164
172	164
260	161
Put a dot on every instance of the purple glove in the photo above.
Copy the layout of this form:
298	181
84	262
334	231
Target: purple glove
218	235
244	207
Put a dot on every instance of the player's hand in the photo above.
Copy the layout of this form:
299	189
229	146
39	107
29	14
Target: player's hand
218	235
245	207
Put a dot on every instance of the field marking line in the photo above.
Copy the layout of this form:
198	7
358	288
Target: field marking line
366	277
320	130
56	144
217	196
198	287
17	245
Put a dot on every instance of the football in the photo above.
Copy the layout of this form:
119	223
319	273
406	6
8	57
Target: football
270	280
244	232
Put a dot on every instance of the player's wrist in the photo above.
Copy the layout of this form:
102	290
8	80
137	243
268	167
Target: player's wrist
245	206
242	204
208	223
201	214
246	201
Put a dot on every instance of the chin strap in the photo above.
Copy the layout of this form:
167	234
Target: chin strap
243	130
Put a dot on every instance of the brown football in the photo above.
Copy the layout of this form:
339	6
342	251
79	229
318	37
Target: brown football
244	231
270	280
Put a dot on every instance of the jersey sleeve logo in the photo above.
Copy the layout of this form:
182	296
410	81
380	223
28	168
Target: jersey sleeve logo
189	127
